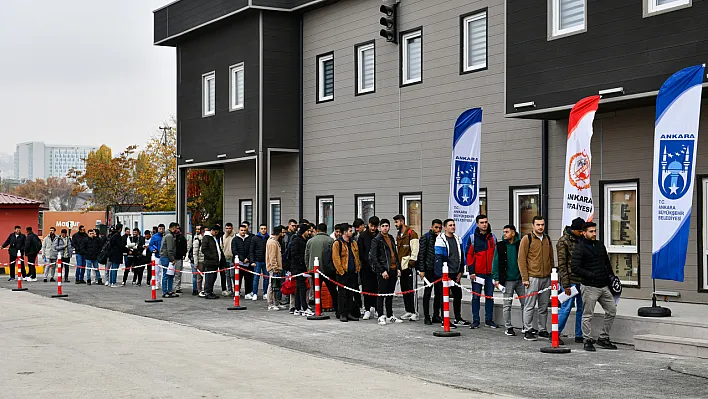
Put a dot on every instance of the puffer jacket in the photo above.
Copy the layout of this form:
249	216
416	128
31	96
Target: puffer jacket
48	250
591	262
340	256
63	247
240	246
442	253
213	257
256	252
480	252
77	239
380	255
117	248
565	247
91	247
364	243
197	249
426	253
297	255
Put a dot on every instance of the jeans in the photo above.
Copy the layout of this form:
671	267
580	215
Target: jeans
167	280
510	288
194	278
92	265
592	295
536	284
565	309
113	276
261	268
80	267
488	302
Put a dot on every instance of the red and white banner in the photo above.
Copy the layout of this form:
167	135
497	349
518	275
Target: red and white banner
577	195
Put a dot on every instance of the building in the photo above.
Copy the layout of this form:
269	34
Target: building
311	113
36	160
17	211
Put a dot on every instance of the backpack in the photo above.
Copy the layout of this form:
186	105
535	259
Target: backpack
105	252
287	261
327	265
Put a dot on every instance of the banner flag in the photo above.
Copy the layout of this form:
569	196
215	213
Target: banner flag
678	107
577	194
464	173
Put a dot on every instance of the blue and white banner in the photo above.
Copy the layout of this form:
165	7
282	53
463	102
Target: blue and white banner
678	107
464	173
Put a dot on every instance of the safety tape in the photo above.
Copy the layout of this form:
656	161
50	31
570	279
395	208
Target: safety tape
503	298
383	295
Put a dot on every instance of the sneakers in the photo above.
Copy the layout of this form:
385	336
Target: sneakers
352	318
34	280
491	324
51	280
107	283
605	343
133	283
88	282
45	280
452	325
212	296
202	294
560	341
265	297
406	316
100	282
427	321
113	286
195	292
436	319
367	315
29	279
273	307
248	296
475	324
307	313
10	279
226	293
295	312
394	319
291	310
178	290
529	335
414	317
343	319
382	320
254	297
122	284
461	322
543	334
510	332
80	282
579	340
588	346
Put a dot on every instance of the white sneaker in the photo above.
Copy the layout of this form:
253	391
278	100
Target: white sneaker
296	313
122	284
248	296
394	319
414	317
382	320
202	294
265	297
367	315
254	297
114	286
34	280
407	316
308	312
27	279
273	308
107	284
224	293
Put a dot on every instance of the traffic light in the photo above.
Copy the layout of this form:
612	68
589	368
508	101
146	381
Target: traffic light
390	31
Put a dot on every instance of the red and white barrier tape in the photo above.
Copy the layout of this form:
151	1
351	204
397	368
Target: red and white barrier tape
469	291
377	294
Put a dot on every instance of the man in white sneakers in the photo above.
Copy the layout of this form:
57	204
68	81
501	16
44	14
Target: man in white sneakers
383	258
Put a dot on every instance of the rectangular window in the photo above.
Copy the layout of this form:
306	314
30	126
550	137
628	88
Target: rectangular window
246	214
412	57
365	206
325	212
474	42
653	7
274	213
208	94
236	86
365	68
567	17
483	202
704	234
525	205
620	230
412	208
325	77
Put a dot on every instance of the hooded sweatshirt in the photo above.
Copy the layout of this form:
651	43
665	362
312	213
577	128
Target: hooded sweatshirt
511	252
226	246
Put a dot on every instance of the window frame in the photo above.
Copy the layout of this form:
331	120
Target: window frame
483	194
703	233
514	214
233	83
321	98
403	210
554	30
606	187
206	77
241	211
319	201
650	8
464	40
402	56
359	48
358	198
271	202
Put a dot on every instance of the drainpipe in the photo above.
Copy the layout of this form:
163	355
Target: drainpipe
544	169
301	122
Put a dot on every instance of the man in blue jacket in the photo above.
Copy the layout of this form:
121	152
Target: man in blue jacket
154	247
448	249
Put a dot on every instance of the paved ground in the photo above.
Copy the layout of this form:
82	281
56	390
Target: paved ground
481	361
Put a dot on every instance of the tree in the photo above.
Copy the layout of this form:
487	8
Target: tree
205	198
156	171
59	194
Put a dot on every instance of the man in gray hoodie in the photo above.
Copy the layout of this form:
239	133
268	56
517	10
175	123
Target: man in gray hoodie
50	254
168	252
64	251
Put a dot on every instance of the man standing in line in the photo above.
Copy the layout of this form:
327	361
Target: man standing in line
147	258
229	255
65	251
591	262
407	244
240	246
535	263
257	257
274	264
16	242
297	266
91	249
213	260
359	227
345	256
134	246
199	258
369	278
49	254
565	246
116	255
32	247
320	247
155	247
448	248
76	240
480	253
383	258
426	269
180	253
290	234
168	253
505	271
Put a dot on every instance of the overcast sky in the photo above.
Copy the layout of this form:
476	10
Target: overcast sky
82	72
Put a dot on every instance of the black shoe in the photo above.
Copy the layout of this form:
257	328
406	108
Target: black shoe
77	282
579	340
88	282
67	281
212	296
510	332
534	331
427	321
462	322
173	295
100	282
45	280
165	295
605	343
51	280
194	292
138	284
452	326
82	282
588	346
343	319
436	319
543	334
179	291
529	336
352	318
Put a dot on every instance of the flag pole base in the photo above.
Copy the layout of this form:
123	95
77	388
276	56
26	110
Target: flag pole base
550	349
153	300
321	317
654	311
19	289
446	334
60	296
236	308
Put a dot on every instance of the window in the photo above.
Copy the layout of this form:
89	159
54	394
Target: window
566	17
325	77
325	212
247	213
365	68
274	212
208	94
620	230
412	57
236	86
704	234
365	206
412	208
474	42
525	206
483	202
653	7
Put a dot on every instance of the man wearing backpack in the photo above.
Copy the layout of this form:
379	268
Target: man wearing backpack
426	269
320	247
535	264
345	256
168	255
564	248
64	251
32	247
298	266
480	254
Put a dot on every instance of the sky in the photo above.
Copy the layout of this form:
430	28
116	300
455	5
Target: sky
82	72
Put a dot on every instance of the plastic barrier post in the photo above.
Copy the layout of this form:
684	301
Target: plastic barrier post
237	287
153	286
554	348
18	272
59	294
318	302
446	307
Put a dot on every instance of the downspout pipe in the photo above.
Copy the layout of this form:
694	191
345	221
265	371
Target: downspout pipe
301	128
544	169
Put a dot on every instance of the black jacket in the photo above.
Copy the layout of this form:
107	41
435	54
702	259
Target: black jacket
15	244
212	260
32	245
117	248
180	246
380	254
426	253
256	252
364	244
76	241
501	249
297	255
591	262
91	247
241	246
136	252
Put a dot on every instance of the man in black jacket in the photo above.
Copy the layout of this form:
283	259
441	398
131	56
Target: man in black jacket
591	262
383	258
426	269
180	254
91	248
240	246
297	266
134	246
32	247
213	260
369	281
15	242
256	255
76	242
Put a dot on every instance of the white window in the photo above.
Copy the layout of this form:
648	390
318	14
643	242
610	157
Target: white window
474	51
525	206
325	78
325	212
412	207
620	231
247	213
365	71
483	202
236	87
412	64
274	212
705	233
208	94
652	7
567	17
365	207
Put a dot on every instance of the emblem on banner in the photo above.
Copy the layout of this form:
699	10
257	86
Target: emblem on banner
579	170
465	182
675	167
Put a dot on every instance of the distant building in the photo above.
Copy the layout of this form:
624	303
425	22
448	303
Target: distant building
36	160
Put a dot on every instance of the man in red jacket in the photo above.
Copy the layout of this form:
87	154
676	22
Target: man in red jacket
480	254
